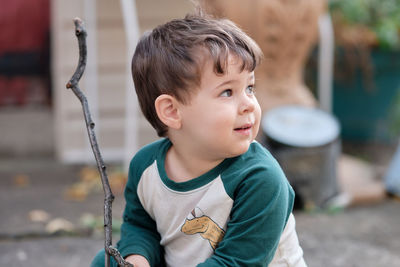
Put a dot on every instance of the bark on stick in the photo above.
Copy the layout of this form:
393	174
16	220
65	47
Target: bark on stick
80	33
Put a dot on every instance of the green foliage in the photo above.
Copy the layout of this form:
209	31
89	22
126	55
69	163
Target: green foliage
96	223
382	17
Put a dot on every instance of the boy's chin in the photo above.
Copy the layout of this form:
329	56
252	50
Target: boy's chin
240	150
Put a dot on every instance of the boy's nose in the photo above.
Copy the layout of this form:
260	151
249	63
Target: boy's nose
247	104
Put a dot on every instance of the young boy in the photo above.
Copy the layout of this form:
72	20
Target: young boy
207	194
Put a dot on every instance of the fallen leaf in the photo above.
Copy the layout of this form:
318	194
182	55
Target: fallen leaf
118	181
39	216
21	180
90	181
89	174
77	192
59	224
93	222
96	223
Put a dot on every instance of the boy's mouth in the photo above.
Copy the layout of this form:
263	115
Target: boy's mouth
243	128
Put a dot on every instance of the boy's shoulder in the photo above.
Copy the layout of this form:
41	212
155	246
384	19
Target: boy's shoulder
256	174
256	164
258	156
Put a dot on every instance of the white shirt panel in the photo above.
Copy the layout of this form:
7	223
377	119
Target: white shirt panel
210	200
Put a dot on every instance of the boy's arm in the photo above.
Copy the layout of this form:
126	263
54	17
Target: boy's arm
258	217
138	231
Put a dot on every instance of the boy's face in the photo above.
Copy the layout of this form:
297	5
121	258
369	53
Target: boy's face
223	115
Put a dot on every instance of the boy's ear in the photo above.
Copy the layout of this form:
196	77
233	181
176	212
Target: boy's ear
167	111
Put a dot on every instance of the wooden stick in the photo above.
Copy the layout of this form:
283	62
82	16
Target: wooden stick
80	33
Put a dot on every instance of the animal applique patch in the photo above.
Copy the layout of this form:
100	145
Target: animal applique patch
206	227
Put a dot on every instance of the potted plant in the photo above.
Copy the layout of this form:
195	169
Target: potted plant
367	66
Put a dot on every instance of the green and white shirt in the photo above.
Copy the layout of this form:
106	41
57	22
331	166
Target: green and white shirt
233	215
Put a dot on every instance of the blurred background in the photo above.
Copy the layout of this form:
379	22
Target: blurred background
329	88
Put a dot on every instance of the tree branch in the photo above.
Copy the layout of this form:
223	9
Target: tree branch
80	33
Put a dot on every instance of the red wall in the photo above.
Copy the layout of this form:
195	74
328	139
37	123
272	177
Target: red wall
24	24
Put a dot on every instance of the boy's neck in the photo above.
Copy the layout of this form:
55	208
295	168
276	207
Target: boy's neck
182	166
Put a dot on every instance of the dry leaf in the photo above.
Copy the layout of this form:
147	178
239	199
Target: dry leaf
77	192
39	216
59	224
21	180
89	174
117	182
90	181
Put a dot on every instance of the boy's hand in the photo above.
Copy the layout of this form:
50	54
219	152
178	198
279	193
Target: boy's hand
137	261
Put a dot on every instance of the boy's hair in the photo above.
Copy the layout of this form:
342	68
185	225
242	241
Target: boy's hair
169	59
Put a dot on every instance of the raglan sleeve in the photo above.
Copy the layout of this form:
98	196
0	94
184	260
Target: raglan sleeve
263	201
138	231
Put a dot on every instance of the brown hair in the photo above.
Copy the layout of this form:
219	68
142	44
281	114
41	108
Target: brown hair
168	59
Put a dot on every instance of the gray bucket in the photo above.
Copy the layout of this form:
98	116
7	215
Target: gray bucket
306	143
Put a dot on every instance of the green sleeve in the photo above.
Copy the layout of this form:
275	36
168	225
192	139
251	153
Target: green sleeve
263	201
138	231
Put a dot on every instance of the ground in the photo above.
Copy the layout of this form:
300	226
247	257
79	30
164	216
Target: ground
365	235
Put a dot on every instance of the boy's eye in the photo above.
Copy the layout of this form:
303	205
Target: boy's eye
226	93
250	90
